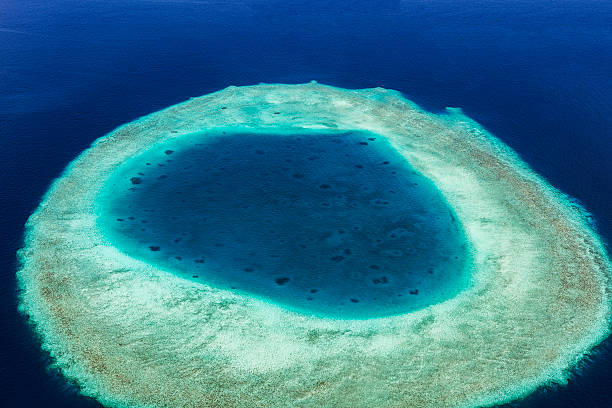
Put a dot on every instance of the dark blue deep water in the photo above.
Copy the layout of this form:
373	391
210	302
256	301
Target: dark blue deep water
535	73
337	225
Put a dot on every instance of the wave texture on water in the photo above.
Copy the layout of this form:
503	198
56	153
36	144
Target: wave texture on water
133	335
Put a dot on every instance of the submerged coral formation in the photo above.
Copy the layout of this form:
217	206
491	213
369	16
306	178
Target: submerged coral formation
133	335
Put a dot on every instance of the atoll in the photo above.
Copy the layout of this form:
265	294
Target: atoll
133	335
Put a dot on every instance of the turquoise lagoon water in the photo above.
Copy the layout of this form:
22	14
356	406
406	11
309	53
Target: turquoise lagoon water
338	225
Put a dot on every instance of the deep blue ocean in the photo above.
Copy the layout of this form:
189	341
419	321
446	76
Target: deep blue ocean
538	74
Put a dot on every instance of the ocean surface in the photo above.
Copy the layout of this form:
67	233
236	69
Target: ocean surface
535	73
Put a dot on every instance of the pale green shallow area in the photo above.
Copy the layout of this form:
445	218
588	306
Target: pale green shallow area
132	335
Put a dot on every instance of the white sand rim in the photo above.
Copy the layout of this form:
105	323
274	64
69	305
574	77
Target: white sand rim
132	335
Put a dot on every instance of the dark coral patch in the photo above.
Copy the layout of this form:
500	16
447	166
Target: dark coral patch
281	281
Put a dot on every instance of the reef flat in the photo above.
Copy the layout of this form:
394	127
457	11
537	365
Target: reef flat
133	335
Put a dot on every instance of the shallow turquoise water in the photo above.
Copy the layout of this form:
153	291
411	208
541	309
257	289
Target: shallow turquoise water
336	225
